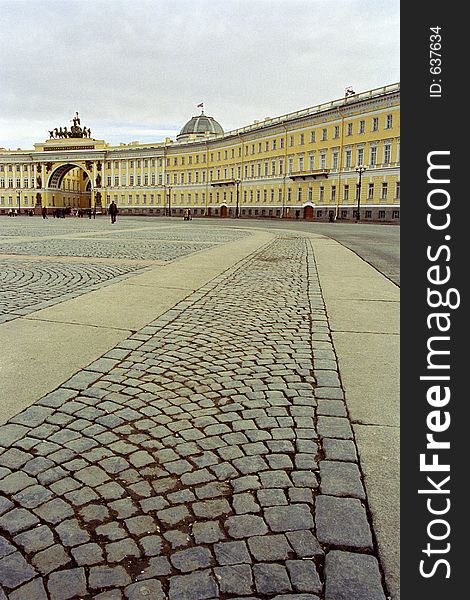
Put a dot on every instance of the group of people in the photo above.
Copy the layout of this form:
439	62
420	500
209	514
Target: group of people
12	212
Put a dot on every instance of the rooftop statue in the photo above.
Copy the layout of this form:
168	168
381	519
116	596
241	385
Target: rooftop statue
76	131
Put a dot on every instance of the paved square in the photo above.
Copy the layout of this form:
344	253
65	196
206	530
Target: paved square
187	461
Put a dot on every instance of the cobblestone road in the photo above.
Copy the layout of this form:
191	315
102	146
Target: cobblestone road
27	286
207	456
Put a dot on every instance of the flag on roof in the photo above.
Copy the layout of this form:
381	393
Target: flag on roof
200	105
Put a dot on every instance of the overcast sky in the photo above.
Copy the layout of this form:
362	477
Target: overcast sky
136	69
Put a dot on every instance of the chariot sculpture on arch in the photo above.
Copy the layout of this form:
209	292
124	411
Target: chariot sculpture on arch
76	130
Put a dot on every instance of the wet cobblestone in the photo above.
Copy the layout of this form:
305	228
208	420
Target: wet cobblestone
193	466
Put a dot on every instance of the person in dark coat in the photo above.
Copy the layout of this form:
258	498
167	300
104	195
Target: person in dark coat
113	211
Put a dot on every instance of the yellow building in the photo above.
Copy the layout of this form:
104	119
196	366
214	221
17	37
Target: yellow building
310	164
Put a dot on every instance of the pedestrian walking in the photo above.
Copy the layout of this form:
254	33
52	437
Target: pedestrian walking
113	211
44	212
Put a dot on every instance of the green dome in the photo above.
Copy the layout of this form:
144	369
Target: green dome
200	126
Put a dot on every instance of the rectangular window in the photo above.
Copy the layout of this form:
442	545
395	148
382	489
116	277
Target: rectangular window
312	137
350	129
381	214
336	134
274	144
370	191
387	154
301	163
116	180
384	191
373	156
362	126
108	179
389	124
311	162
322	194
281	143
368	214
375	124
333	192
302	139
324	135
348	159
139	180
335	161
323	160
281	166
395	214
397	190
291	142
346	192
360	156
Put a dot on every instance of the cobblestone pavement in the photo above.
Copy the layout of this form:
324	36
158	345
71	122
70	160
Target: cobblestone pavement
27	286
207	456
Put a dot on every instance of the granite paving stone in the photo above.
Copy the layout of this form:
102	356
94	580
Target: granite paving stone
342	522
68	583
349	575
14	570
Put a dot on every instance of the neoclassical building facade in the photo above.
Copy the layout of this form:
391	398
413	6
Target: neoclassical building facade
318	163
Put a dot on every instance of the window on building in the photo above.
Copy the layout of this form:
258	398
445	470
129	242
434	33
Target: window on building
311	162
375	124
323	160
348	158
324	134
312	137
291	165
370	191
333	192
322	194
360	156
274	144
281	166
397	189
335	160
302	139
116	180
395	214
301	163
384	191
344	214
387	153
108	179
349	129
281	143
373	156
299	194
389	122
291	141
381	214
362	126
368	214
346	192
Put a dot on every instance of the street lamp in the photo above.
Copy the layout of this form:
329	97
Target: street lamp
169	200
237	183
359	170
